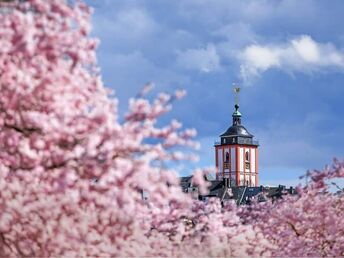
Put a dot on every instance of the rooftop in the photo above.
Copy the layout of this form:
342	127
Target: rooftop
236	130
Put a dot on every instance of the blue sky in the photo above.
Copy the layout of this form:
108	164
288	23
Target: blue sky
287	55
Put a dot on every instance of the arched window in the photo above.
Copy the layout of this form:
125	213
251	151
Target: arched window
227	157
247	156
247	160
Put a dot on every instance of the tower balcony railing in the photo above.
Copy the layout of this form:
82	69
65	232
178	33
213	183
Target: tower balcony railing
238	140
242	140
255	143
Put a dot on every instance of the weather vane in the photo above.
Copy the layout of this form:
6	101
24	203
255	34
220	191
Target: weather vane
236	90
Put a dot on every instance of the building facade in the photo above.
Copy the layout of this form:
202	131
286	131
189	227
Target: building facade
236	155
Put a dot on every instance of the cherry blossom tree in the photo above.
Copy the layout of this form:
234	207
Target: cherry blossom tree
72	176
307	224
59	132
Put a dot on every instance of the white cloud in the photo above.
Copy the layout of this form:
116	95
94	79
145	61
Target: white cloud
301	54
202	59
260	58
307	49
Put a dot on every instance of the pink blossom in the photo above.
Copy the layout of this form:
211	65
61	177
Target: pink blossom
73	178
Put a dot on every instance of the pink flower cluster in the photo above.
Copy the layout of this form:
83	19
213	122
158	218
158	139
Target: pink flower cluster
72	177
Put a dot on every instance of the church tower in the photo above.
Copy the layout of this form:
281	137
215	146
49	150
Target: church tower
236	155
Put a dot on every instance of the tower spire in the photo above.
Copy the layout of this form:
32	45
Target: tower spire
236	115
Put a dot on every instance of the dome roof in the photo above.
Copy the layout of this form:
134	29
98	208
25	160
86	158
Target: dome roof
236	130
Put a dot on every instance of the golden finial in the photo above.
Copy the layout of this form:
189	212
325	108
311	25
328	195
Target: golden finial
236	90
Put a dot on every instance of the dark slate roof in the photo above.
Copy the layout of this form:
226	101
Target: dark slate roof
240	194
236	130
185	181
243	194
219	190
216	188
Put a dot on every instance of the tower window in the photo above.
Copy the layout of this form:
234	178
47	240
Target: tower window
226	161
247	156
247	160
227	157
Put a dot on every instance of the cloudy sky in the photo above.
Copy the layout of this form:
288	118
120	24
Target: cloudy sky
287	55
